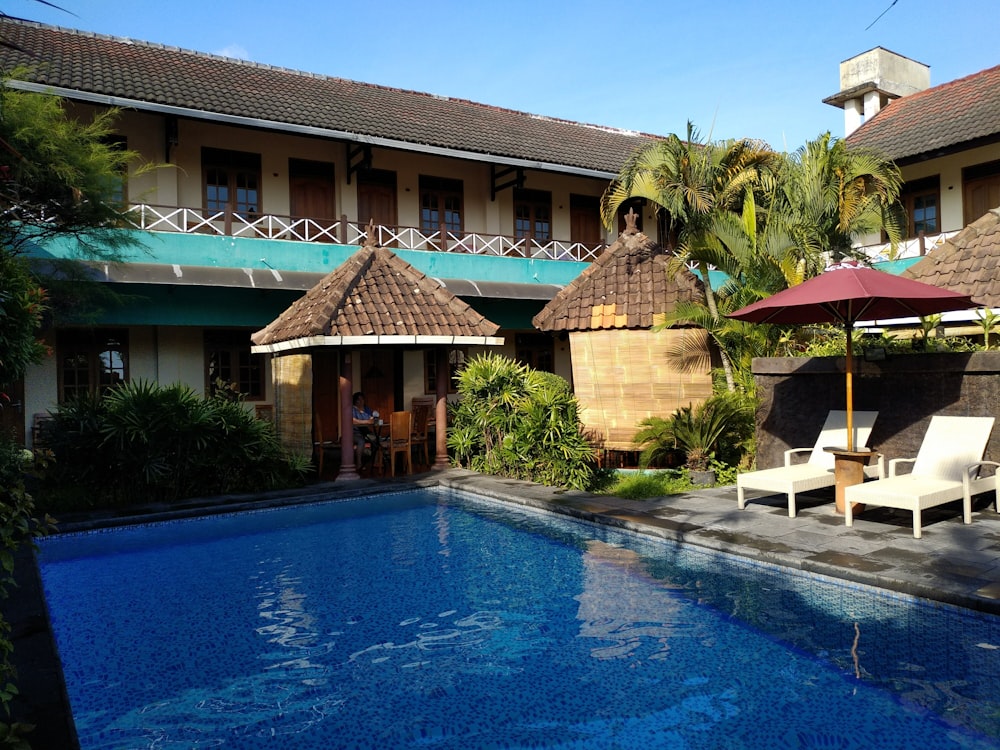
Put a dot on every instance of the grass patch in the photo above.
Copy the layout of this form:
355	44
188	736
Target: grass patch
641	486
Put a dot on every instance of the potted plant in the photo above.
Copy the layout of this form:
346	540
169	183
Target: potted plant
699	466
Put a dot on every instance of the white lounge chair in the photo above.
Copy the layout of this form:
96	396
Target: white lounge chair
946	468
817	472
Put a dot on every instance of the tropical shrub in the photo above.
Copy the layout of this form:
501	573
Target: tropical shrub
141	442
517	422
18	526
719	429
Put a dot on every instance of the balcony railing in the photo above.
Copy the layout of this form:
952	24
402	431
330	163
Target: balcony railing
343	232
914	247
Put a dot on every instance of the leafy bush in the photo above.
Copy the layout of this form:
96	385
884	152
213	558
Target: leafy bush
721	428
517	422
17	526
141	442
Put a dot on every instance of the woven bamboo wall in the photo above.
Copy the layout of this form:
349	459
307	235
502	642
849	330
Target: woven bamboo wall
293	385
621	377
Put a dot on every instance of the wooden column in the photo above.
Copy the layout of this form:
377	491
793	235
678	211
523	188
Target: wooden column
347	470
441	411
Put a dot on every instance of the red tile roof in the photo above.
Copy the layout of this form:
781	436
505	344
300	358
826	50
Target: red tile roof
968	263
627	287
964	112
374	293
161	77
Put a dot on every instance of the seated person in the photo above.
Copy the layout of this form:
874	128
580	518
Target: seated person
363	420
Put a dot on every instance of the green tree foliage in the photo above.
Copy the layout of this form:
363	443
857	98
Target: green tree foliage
141	443
22	305
691	182
60	176
517	422
721	428
829	194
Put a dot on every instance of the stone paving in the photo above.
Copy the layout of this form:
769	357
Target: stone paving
954	563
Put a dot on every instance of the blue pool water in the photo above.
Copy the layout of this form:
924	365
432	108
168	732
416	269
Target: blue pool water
437	620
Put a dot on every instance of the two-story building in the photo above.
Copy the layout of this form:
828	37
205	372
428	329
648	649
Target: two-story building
269	180
945	140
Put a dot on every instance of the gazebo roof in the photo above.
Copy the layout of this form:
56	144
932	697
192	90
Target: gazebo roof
627	287
967	263
375	298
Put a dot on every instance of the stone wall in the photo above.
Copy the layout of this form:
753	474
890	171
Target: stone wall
907	389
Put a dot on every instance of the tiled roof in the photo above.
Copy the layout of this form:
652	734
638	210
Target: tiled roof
968	263
167	76
627	287
963	111
375	293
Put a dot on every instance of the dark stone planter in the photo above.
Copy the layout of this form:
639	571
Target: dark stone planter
706	477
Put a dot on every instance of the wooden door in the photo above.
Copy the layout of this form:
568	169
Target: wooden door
980	196
377	198
311	191
377	379
585	220
326	390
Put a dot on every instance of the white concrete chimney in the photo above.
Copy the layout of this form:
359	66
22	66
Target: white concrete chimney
871	80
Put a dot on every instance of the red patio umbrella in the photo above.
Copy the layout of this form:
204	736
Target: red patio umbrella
849	292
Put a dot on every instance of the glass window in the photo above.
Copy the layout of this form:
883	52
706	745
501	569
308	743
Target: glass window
533	215
232	181
537	350
921	201
91	361
456	361
440	205
230	366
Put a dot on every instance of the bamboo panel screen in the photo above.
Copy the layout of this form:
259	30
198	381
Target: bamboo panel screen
621	377
293	408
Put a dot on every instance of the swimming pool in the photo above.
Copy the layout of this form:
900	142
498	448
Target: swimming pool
435	619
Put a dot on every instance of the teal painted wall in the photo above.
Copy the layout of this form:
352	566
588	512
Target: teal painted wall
239	252
155	304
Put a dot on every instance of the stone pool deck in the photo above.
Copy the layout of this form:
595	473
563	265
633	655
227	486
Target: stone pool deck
952	563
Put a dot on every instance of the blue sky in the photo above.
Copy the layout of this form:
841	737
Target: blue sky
759	69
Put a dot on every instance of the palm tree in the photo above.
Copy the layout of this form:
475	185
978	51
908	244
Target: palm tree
692	182
831	194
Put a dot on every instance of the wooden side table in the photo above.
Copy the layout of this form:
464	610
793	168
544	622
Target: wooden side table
849	469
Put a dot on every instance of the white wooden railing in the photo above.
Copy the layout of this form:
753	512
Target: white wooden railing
343	232
911	248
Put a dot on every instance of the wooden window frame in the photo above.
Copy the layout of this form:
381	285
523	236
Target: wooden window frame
236	167
919	191
536	207
457	357
444	199
228	357
91	361
537	350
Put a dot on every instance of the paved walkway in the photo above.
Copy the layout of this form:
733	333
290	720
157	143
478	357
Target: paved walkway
952	563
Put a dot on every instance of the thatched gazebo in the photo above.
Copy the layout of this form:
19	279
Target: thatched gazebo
374	298
623	372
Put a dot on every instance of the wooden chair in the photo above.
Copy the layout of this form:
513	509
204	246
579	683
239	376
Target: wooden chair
400	439
431	403
418	436
320	445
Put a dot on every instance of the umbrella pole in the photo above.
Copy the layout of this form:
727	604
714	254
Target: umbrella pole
850	388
